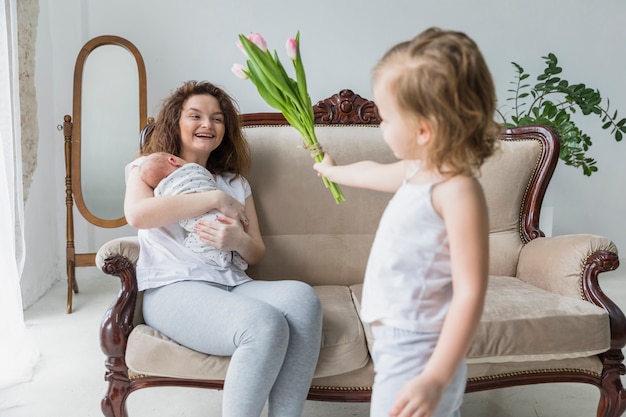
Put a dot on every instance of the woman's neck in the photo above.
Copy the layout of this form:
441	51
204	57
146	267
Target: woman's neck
195	158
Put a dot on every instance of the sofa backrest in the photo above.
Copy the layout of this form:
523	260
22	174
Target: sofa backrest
308	236
515	180
311	238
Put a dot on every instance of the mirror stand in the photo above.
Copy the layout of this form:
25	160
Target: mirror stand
73	260
109	111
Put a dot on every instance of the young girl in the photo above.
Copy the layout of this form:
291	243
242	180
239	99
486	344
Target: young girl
426	277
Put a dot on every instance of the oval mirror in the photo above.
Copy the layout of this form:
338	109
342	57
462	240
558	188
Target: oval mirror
110	107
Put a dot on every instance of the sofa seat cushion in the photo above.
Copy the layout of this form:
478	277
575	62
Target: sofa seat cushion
343	349
590	365
517	315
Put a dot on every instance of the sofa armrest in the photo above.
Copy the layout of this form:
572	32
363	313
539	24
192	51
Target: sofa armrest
126	247
118	257
569	265
557	264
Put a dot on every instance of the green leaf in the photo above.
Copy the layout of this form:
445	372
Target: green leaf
551	101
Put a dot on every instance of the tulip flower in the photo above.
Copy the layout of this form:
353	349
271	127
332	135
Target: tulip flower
240	46
282	92
240	71
292	49
258	40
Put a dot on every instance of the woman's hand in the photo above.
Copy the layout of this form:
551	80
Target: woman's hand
239	233
224	233
232	209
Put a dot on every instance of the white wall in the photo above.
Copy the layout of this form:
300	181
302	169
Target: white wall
341	41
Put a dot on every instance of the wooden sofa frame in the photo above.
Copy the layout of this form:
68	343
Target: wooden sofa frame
347	108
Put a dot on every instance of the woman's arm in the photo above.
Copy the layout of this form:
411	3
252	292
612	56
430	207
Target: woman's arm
461	203
364	174
233	235
144	211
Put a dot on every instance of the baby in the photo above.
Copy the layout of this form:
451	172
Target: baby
168	174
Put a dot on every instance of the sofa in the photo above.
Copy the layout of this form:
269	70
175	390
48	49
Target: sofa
545	320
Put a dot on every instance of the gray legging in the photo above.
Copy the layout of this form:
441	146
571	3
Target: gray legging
271	330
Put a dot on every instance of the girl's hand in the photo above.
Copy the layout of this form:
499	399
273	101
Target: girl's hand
322	167
417	398
224	233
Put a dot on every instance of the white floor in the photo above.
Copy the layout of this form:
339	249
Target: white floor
68	380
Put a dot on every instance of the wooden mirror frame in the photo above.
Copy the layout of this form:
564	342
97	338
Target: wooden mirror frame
72	137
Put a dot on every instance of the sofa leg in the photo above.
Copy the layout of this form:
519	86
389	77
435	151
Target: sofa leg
612	394
114	402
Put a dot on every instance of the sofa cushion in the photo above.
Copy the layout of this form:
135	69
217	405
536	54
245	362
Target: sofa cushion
150	352
517	315
485	370
343	350
344	347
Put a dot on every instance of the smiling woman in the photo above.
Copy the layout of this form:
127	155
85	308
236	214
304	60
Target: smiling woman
203	300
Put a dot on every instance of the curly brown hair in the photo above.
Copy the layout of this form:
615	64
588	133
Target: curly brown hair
442	78
233	154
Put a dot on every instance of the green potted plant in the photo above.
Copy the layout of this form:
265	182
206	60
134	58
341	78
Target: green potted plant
552	101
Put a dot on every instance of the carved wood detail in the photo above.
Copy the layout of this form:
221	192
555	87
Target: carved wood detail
343	108
346	107
116	326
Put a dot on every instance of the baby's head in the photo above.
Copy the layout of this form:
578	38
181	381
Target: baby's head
441	79
159	165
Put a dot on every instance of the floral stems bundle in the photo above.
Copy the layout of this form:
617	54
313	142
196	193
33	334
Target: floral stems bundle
282	92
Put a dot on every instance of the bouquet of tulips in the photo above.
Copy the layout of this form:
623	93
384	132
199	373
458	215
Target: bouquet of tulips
282	92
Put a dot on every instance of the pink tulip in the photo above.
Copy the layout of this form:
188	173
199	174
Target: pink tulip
292	49
258	40
241	48
240	71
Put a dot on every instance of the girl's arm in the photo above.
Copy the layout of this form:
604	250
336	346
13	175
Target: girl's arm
461	203
144	211
364	174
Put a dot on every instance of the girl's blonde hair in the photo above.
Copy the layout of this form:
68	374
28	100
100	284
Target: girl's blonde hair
441	77
233	154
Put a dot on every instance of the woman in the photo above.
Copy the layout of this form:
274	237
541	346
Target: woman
271	329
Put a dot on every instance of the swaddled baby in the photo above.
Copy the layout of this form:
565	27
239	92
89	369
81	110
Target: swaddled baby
170	175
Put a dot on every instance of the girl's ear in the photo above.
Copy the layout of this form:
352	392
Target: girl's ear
423	133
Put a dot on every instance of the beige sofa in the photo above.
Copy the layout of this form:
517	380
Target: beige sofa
546	319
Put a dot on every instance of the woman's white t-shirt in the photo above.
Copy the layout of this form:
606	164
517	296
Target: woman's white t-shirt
163	257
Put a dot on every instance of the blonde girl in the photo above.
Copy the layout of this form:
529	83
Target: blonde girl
426	276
